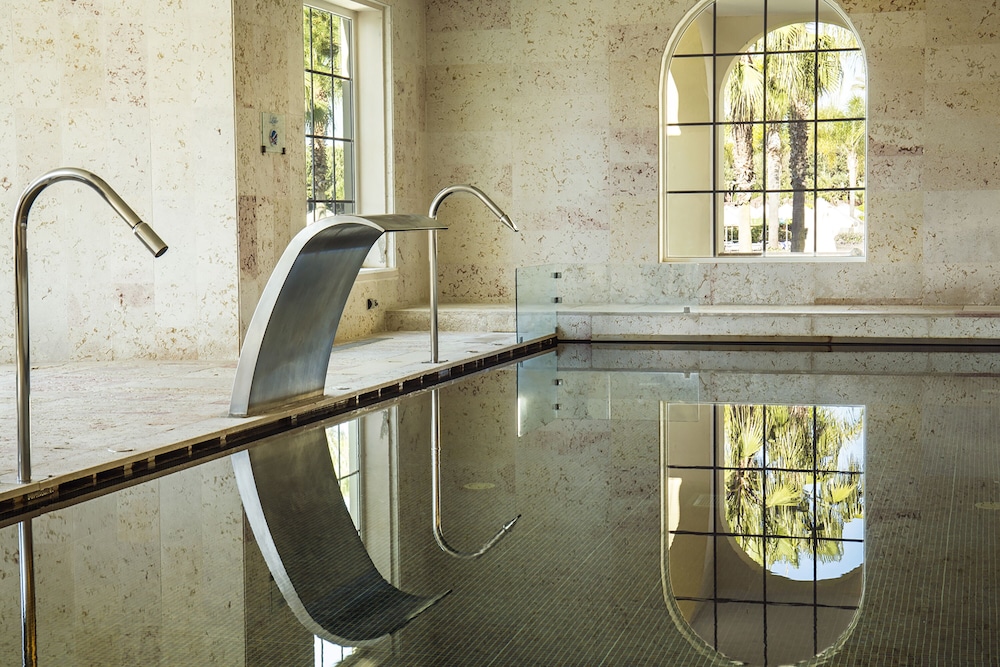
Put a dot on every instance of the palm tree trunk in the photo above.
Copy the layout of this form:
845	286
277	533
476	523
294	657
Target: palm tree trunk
798	167
773	183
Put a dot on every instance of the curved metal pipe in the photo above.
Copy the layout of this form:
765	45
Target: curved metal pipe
436	499
143	232
433	245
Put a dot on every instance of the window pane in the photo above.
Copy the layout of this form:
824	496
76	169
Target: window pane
344	156
687	233
694	502
741	632
342	126
743	94
688	94
742	226
309	104
840	225
741	23
322	41
323	169
323	109
789	156
687	555
341	29
788	504
743	155
698	38
841	154
791	86
689	166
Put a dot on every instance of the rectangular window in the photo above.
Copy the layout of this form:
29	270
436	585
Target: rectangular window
329	109
348	166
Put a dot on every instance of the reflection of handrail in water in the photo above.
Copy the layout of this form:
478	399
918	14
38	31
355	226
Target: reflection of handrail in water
26	564
436	483
293	502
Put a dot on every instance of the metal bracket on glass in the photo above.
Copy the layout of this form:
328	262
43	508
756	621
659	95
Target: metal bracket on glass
287	349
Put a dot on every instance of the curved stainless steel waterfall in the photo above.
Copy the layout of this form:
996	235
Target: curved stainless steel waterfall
143	231
432	249
436	497
287	349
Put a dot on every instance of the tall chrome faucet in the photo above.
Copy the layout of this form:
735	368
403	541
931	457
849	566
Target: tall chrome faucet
145	233
432	250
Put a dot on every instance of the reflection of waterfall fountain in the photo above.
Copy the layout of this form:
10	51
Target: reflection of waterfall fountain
293	502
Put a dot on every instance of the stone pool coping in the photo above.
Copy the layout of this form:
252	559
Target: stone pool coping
100	424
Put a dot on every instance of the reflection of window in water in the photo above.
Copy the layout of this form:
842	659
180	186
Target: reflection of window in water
345	454
765	526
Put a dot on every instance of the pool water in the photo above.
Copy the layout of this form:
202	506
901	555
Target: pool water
674	507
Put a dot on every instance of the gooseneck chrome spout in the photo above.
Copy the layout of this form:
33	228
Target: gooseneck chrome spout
143	231
432	249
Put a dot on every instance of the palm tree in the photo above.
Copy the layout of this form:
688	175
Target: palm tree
798	67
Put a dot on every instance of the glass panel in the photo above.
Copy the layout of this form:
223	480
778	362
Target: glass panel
341	31
840	150
322	41
698	35
743	92
743	157
742	224
340	115
790	634
740	24
309	111
323	105
689	85
833	30
791	30
323	163
791	86
789	158
344	176
841	503
689	158
744	504
789	437
744	436
536	289
687	234
840	228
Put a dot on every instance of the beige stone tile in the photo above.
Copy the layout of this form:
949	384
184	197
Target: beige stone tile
468	97
451	15
978	22
470	47
895	228
971	212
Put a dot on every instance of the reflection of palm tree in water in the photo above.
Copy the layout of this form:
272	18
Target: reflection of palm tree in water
804	447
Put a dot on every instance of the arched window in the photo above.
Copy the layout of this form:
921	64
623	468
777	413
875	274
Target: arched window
763	108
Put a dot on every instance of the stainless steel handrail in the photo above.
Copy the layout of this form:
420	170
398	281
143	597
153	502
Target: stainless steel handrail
436	496
433	245
143	231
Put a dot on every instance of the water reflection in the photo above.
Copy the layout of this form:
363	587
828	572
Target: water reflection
293	501
765	525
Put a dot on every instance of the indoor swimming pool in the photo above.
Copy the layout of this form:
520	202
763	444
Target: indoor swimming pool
595	505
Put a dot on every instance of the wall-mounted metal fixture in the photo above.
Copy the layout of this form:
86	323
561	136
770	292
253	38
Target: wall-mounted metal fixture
432	249
144	232
287	348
